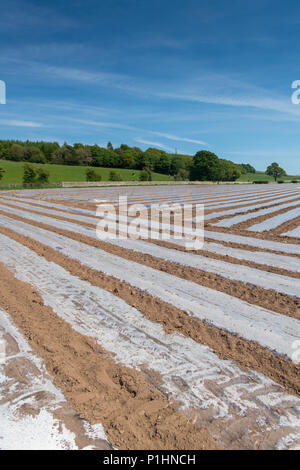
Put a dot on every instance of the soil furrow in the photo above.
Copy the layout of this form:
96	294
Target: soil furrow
227	346
269	299
134	412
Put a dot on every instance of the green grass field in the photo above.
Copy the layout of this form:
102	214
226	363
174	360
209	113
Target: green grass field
260	176
58	173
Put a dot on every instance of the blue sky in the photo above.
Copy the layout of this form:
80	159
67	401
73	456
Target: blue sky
178	74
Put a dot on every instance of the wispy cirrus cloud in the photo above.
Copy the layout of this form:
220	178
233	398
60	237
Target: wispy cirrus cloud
209	88
281	105
154	144
70	73
181	139
232	93
112	125
17	123
267	153
115	125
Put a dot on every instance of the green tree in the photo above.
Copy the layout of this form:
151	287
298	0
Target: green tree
177	164
182	175
142	160
275	171
48	149
163	164
17	152
114	176
2	171
205	167
66	155
34	155
42	176
246	168
92	175
83	155
145	175
229	170
152	157
127	158
34	175
29	174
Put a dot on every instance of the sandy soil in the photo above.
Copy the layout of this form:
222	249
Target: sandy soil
134	412
257	220
132	405
253	294
227	346
34	413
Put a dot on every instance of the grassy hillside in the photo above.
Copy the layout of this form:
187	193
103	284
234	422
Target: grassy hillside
59	173
261	176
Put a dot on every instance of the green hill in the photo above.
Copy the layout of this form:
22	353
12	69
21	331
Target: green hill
261	176
58	173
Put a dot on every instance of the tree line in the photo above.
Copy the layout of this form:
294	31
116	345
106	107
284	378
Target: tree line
204	165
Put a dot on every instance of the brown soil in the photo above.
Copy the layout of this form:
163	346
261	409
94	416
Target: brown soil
237	230
227	346
133	411
272	235
93	206
230	259
244	246
260	235
245	205
269	299
287	226
20	370
292	224
257	220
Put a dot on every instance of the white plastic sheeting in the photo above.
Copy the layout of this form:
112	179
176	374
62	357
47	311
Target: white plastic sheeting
276	282
218	236
276	221
293	233
207	206
288	248
190	372
272	330
33	389
289	263
245	217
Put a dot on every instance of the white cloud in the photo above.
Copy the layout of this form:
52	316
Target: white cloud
16	123
182	139
137	129
280	105
267	153
69	73
154	144
209	88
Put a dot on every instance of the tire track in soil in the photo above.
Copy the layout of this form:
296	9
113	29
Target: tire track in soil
135	413
251	403
227	346
256	295
203	252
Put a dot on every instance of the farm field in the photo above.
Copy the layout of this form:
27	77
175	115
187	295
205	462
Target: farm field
140	343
